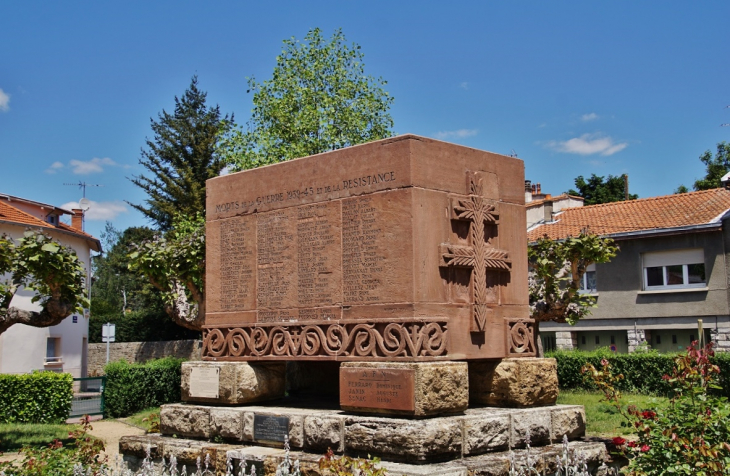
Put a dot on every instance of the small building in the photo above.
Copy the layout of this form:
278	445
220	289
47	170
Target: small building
672	270
542	206
62	347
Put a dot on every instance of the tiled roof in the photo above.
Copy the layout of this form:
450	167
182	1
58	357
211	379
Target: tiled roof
9	213
656	213
555	198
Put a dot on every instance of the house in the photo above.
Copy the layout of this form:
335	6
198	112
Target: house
672	270
540	207
61	347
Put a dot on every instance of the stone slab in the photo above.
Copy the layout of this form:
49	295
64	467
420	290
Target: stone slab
476	431
520	382
266	460
414	388
238	382
404	249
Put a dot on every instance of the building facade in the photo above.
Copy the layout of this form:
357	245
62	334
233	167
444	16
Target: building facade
63	347
672	271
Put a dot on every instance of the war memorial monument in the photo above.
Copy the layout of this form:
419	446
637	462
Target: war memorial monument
372	300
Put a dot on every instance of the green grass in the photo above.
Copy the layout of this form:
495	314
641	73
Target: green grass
14	436
602	419
138	418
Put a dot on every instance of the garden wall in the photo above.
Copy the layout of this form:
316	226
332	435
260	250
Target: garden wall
139	352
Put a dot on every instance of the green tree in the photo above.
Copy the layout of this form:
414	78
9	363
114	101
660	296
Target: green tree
38	263
182	155
715	167
318	99
175	264
556	272
596	190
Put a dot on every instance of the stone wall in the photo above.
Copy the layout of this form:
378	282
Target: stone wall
141	352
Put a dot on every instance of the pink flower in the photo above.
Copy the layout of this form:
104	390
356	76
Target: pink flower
604	362
632	444
644	448
618	441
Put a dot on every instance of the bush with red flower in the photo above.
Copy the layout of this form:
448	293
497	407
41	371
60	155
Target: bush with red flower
691	435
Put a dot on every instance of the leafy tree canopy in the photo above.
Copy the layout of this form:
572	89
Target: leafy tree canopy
182	155
175	264
38	263
715	167
318	99
556	271
596	190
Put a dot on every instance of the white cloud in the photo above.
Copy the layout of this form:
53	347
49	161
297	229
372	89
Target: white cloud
55	167
589	117
100	211
588	144
464	85
458	134
92	166
4	100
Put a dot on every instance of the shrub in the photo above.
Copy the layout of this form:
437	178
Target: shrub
134	387
690	436
39	397
642	372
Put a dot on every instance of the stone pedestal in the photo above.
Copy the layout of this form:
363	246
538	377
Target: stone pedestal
525	382
409	388
232	383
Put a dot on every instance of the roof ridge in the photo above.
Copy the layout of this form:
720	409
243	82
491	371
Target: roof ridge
636	200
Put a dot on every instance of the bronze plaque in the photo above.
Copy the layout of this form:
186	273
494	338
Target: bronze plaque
388	389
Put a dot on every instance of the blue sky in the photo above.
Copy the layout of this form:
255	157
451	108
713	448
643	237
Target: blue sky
573	88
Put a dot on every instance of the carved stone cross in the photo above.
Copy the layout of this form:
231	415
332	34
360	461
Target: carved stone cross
480	256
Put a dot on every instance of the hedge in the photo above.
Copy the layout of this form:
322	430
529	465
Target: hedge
642	372
134	387
39	397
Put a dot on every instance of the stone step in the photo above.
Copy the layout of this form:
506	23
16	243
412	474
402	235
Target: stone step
266	459
475	431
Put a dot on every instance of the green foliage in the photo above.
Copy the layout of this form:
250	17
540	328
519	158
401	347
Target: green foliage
347	466
596	190
175	264
14	436
642	372
134	387
556	270
318	99
83	451
691	435
182	155
39	263
715	167
40	397
681	189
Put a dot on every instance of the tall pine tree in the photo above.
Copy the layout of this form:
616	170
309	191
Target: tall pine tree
180	157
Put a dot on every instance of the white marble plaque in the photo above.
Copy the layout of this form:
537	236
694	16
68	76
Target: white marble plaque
204	382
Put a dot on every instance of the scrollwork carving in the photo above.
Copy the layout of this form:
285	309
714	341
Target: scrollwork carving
521	338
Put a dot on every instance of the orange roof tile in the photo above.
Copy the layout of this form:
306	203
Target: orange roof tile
656	213
562	196
14	215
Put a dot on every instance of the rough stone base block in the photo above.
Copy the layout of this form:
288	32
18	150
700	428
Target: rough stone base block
232	383
266	459
523	382
477	431
409	388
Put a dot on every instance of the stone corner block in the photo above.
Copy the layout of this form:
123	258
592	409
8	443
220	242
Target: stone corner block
426	389
238	382
518	382
568	420
185	420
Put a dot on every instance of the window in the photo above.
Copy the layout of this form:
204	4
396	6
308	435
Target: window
674	338
598	340
674	269
658	339
588	282
613	340
53	351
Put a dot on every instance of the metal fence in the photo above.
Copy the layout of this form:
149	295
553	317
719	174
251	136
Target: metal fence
88	396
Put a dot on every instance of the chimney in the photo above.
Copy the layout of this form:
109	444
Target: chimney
539	192
548	209
77	219
528	191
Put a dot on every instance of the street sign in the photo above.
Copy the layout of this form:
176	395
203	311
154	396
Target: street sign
107	332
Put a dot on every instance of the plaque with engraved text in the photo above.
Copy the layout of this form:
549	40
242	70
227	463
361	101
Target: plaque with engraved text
270	428
391	389
204	382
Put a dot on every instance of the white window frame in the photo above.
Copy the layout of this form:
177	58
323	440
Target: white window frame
54	359
665	259
584	281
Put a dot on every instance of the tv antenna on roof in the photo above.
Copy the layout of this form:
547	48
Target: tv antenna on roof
84	202
513	153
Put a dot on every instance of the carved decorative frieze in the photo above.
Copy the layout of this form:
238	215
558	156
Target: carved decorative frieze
479	256
520	338
421	338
